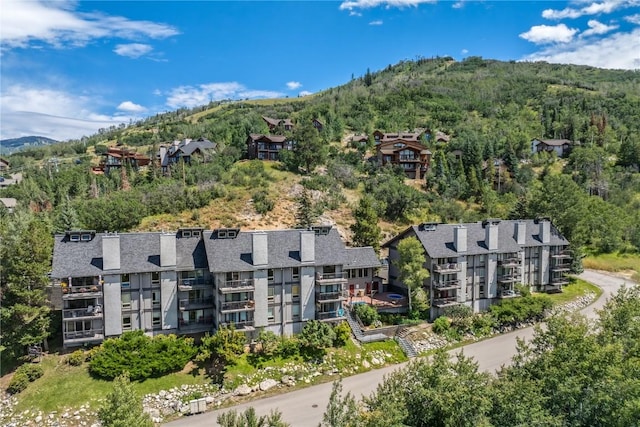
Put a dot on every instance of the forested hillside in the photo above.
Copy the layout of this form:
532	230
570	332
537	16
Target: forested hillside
491	110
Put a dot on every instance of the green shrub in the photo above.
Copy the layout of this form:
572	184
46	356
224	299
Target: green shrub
18	382
33	372
262	203
482	325
343	333
441	325
366	314
141	356
288	347
76	358
518	310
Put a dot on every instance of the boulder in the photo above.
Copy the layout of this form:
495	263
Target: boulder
243	390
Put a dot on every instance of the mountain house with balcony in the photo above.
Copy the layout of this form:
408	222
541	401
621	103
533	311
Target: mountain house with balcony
478	264
185	151
404	149
267	147
194	281
117	157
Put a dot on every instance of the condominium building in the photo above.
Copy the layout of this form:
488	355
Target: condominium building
194	280
478	264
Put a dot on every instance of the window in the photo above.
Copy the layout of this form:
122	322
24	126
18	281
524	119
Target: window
195	233
271	293
270	275
481	259
126	300
271	314
125	281
481	291
295	292
155	277
295	273
74	237
126	323
155	299
295	312
156	319
232	276
85	237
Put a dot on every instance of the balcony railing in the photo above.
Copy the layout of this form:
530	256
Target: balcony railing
196	303
237	305
445	302
77	313
559	280
448	284
510	262
561	267
237	286
325	278
81	291
510	278
204	323
508	293
245	325
190	284
330	296
447	268
409	158
562	254
330	315
88	335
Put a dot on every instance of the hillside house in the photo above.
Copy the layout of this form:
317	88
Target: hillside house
478	264
562	147
194	281
267	147
4	165
116	157
405	150
274	124
184	150
318	125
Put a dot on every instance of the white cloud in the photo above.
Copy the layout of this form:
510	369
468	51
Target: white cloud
464	51
193	96
23	23
133	50
594	8
305	93
368	4
458	4
634	19
596	27
542	34
293	85
354	13
28	110
617	51
130	107
378	22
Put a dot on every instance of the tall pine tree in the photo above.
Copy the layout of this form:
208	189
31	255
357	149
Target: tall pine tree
366	231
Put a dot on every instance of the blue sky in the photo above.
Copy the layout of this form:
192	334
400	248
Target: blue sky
68	68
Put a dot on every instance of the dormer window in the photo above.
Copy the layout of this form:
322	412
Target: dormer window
74	237
186	233
85	237
196	233
227	233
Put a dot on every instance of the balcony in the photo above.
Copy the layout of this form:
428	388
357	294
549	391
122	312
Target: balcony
330	278
561	267
510	262
445	302
409	158
510	278
244	326
248	305
231	286
508	293
330	296
447	284
196	303
79	292
201	325
566	254
81	337
191	284
82	313
328	316
447	268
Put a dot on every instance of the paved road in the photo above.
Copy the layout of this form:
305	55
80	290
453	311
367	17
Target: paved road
305	407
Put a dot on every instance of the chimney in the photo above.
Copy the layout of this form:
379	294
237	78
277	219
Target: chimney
520	232
167	250
545	230
111	252
491	235
307	246
260	248
460	238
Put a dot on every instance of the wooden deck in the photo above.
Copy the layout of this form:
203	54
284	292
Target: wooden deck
379	301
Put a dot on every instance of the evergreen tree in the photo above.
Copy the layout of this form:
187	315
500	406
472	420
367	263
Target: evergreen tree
123	408
341	411
67	217
306	214
309	149
410	263
25	249
366	231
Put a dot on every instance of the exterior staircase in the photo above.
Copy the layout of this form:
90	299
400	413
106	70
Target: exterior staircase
355	327
405	343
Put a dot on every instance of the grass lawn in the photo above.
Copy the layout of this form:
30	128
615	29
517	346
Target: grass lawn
616	262
572	291
66	387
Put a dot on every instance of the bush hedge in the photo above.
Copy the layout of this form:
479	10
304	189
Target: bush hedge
141	356
23	376
366	313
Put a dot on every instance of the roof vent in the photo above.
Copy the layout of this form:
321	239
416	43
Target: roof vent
227	233
428	226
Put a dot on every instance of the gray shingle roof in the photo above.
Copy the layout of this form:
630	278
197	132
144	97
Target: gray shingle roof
361	258
284	251
190	254
438	243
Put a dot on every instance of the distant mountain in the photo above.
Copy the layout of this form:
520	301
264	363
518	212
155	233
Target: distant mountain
8	146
